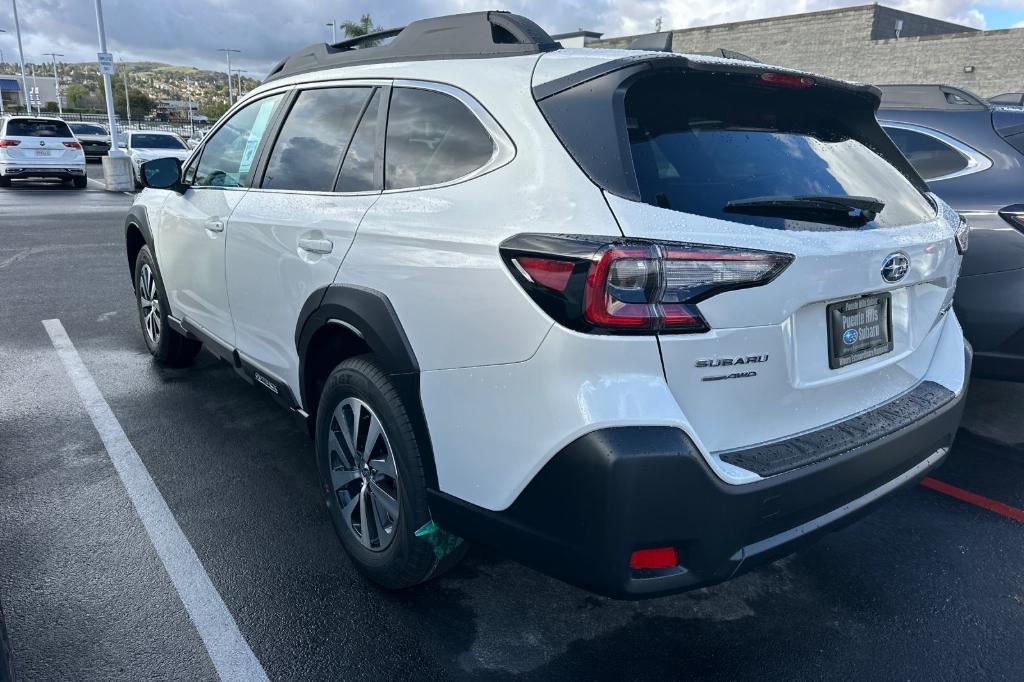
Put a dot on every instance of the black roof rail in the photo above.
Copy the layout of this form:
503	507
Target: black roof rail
930	96
474	35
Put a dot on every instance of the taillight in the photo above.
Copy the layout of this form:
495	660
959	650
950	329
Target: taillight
9	143
786	80
1014	215
73	145
632	286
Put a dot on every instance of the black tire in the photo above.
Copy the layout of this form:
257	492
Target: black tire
407	560
167	346
80	183
5	182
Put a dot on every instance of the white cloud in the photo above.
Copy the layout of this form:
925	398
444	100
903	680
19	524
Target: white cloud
188	32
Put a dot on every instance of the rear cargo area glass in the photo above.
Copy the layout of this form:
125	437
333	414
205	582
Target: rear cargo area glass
699	141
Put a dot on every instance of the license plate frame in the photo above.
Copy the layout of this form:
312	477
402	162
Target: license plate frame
43	153
859	329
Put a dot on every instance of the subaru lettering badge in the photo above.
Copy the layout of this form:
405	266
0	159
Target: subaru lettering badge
850	337
895	267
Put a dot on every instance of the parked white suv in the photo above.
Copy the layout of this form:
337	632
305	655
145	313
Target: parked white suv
38	147
640	320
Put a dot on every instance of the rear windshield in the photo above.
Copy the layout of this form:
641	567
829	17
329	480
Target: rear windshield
87	129
19	127
156	142
700	141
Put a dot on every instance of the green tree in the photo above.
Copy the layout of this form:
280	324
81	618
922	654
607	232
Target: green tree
354	29
50	106
141	103
213	110
73	95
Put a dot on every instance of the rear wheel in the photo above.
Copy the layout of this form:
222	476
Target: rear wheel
80	182
164	343
373	480
4	181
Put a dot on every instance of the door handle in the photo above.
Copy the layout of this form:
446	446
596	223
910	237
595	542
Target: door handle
214	225
320	246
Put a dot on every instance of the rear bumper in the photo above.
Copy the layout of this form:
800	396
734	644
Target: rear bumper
617	490
33	171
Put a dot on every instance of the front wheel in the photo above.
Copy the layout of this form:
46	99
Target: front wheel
165	344
373	480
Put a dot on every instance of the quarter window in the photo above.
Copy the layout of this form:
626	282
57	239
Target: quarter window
432	138
314	138
930	157
229	155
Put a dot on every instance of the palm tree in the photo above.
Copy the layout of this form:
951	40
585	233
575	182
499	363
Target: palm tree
354	29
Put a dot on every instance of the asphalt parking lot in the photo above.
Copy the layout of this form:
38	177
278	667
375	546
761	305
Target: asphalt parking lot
931	586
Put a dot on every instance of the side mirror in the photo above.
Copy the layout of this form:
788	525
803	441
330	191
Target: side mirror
163	174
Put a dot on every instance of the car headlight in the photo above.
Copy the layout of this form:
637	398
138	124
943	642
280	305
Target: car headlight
963	235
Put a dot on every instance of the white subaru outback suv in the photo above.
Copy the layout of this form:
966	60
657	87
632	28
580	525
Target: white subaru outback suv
34	147
640	320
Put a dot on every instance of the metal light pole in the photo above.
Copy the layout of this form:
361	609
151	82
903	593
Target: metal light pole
1	91
333	23
21	56
56	82
227	51
117	167
238	75
35	88
127	102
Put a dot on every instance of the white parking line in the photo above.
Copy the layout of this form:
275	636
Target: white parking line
96	183
228	650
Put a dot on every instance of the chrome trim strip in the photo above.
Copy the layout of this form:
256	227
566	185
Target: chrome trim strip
976	161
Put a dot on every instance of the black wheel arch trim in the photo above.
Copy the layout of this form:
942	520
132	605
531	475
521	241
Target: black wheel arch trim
368	314
138	218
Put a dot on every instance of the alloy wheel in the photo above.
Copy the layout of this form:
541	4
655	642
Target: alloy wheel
364	476
149	303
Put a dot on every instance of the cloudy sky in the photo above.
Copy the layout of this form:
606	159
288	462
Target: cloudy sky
189	32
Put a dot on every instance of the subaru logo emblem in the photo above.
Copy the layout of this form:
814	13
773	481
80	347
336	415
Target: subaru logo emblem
850	337
895	267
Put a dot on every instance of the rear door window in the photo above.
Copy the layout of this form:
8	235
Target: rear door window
699	142
432	138
37	128
313	140
930	157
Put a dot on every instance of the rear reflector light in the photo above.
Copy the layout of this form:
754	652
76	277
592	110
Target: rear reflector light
9	143
553	274
632	286
662	557
963	235
786	80
73	145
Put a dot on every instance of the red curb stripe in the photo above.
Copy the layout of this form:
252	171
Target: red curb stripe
975	499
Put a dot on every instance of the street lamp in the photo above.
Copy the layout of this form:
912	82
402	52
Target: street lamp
127	102
21	56
333	23
238	74
227	51
1	65
56	82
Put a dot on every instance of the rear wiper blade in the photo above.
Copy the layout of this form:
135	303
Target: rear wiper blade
835	209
